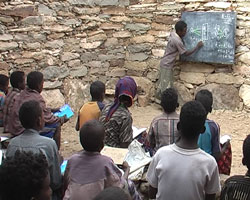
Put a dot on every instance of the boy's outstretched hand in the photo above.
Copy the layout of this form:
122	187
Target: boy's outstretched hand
200	44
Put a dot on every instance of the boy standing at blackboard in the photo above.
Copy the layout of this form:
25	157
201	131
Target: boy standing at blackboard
174	47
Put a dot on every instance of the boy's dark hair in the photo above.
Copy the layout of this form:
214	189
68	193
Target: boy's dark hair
92	136
169	100
97	89
192	119
29	112
180	25
113	193
22	176
205	97
246	152
16	78
4	80
34	79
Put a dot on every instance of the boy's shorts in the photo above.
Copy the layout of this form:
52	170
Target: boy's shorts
49	130
166	81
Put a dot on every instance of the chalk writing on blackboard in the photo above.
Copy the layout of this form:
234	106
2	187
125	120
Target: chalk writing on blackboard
216	30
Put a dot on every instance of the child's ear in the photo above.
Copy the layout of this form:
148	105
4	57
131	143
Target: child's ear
244	161
178	126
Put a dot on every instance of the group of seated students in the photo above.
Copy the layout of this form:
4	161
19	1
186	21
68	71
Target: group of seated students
179	168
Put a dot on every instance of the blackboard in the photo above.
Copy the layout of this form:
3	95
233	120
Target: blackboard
216	30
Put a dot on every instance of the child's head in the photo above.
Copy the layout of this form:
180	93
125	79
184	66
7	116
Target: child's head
205	97
92	136
35	81
246	152
4	83
97	91
17	80
31	115
25	176
181	28
169	100
113	193
192	120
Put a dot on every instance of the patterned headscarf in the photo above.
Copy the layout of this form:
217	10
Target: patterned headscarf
125	86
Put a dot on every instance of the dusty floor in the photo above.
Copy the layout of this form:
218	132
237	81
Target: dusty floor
235	124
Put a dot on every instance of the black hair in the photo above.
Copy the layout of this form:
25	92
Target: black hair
192	119
22	176
16	78
205	97
113	193
169	100
92	136
4	80
97	89
180	26
34	79
29	113
246	152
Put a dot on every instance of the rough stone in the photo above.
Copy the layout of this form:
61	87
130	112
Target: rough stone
224	79
58	28
33	46
184	94
119	72
55	44
79	72
137	27
138	57
245	58
53	72
23	61
18	11
139	48
194	78
76	92
91	45
136	66
143	100
164	19
32	20
6	19
153	75
158	52
197	68
52	85
122	34
242	70
69	56
154	63
74	63
110	42
245	94
111	26
143	39
218	4
70	22
5	46
45	10
86	57
119	19
224	96
6	37
53	98
144	86
86	11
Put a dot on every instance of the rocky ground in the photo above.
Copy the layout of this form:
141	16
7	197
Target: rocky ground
235	124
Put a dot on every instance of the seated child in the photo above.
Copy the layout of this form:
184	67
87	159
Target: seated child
92	109
163	129
113	193
116	117
88	172
4	84
31	118
182	170
25	176
32	92
238	187
17	81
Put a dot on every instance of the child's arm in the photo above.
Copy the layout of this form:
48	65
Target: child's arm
198	46
152	192
210	197
126	169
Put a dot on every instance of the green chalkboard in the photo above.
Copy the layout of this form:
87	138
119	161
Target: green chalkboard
216	30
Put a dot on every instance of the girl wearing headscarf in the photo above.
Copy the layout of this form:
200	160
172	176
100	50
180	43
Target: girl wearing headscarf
116	117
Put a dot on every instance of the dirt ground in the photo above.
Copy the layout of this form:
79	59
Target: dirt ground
235	124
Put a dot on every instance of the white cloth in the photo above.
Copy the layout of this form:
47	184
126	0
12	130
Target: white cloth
183	174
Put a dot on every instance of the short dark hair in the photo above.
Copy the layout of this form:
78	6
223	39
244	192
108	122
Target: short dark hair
180	25
246	152
97	89
34	79
205	97
192	119
92	136
16	78
4	80
113	193
22	176
29	113
169	100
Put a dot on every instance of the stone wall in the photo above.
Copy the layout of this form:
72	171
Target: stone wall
75	42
